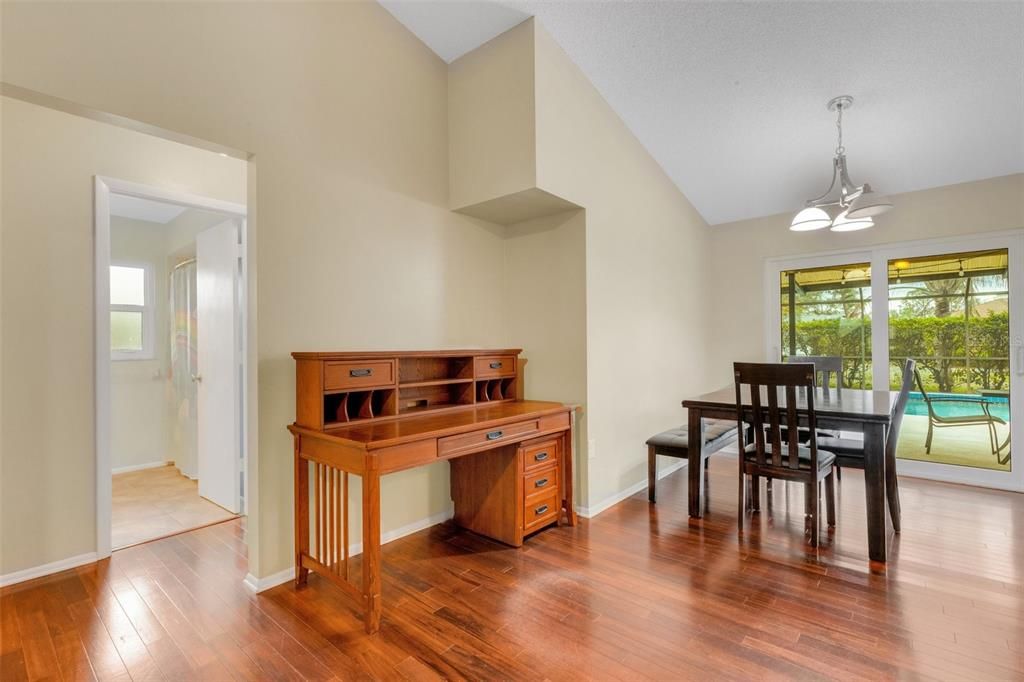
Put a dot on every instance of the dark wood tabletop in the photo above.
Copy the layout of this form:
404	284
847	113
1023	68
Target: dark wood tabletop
846	403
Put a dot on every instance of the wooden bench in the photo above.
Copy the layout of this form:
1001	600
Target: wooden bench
675	443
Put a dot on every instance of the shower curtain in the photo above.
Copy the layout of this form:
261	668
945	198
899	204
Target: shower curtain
183	437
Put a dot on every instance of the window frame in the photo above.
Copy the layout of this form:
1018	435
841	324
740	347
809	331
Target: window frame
148	310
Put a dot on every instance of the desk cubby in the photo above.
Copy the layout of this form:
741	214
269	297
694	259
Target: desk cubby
491	390
342	407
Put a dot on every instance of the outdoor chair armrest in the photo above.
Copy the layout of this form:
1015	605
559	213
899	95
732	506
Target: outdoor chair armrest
958	399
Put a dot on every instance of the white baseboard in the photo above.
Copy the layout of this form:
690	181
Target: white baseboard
612	500
47	569
260	584
140	467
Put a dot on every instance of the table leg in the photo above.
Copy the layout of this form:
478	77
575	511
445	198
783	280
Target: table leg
301	514
652	474
694	470
371	550
874	488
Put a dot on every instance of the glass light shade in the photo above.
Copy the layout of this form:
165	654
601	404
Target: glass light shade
843	223
811	218
868	204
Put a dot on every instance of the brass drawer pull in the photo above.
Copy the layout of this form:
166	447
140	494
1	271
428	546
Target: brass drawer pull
541	456
495	435
495	365
360	372
541	483
540	510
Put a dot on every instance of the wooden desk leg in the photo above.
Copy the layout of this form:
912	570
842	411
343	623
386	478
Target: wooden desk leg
694	470
569	456
301	514
874	488
371	549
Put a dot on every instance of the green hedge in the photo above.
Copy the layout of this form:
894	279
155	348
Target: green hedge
932	341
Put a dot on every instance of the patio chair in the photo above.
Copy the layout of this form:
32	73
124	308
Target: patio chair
935	420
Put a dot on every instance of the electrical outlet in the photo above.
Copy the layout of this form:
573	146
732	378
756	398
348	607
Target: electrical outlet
591	449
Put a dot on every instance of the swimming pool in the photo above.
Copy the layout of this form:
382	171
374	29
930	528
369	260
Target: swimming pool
998	407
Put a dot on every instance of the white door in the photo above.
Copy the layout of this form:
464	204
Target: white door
1001	292
218	365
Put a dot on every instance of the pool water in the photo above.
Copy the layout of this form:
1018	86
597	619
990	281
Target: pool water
998	407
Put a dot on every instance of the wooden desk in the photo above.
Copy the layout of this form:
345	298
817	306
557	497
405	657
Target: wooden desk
371	414
848	410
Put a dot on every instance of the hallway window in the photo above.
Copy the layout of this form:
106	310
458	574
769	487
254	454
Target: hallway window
131	312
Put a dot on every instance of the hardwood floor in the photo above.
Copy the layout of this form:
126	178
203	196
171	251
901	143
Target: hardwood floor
635	593
154	503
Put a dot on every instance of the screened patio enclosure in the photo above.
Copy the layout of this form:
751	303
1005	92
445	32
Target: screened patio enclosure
950	313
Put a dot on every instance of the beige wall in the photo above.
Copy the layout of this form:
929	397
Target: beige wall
138	388
643	241
741	248
491	135
545	311
345	112
47	485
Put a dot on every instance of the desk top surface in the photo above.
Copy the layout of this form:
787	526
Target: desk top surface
847	403
385	433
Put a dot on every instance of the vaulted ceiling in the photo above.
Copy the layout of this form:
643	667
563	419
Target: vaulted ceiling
730	97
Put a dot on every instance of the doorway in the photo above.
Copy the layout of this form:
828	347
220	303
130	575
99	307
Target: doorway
171	374
954	306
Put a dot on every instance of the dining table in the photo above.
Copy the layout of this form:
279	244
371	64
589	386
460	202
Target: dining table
846	409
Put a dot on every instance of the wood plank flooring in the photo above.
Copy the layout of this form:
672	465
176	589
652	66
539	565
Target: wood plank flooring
636	593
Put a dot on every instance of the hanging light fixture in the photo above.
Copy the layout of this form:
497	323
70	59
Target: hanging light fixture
854	206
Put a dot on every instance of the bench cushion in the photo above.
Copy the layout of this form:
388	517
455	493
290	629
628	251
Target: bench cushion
717	432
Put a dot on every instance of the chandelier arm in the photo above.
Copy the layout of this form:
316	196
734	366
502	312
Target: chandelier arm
820	201
848	190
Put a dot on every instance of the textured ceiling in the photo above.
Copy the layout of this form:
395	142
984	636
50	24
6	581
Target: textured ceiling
730	97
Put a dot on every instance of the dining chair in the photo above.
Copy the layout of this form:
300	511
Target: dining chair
850	452
824	367
766	455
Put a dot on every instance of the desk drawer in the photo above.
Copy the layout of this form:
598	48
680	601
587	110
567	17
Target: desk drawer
344	375
540	455
485	439
540	510
495	366
540	481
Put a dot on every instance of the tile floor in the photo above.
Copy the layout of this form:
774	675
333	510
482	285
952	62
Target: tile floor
154	503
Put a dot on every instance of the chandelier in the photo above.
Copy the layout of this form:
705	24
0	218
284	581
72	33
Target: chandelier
854	206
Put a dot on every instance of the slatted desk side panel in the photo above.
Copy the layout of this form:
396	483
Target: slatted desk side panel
323	524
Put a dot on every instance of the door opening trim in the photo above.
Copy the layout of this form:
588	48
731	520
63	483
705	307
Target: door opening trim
103	187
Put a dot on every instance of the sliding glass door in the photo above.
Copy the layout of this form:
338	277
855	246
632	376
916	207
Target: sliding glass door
954	306
826	311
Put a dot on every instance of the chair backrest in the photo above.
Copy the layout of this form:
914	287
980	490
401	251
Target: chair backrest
825	365
900	406
924	393
772	377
